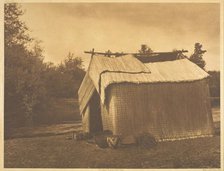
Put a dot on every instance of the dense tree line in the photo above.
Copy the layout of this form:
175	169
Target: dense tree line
63	81
214	83
30	84
214	86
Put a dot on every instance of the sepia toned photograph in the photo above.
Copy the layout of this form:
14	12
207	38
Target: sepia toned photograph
112	85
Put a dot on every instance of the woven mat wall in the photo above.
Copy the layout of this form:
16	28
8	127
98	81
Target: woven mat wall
166	110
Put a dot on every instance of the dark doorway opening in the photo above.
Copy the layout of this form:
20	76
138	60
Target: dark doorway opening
95	114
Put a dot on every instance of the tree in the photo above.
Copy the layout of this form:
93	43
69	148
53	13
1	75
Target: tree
145	49
14	29
73	65
24	88
71	73
64	80
196	57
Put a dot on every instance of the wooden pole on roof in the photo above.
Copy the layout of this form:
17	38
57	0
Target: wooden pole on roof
108	53
92	53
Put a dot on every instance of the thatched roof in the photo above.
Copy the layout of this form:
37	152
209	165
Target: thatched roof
85	92
181	70
104	71
100	65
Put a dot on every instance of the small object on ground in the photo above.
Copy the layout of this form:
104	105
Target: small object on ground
113	141
68	138
146	140
78	136
101	141
90	141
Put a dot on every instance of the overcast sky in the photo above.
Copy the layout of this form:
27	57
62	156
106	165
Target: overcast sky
124	27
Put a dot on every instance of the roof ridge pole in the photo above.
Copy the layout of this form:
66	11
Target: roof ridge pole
92	53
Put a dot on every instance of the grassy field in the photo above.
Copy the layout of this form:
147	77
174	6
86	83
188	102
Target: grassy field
61	110
59	152
48	146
